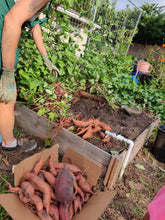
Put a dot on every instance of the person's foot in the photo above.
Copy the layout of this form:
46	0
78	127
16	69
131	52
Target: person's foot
22	146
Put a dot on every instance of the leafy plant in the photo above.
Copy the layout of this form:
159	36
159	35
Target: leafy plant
103	68
151	28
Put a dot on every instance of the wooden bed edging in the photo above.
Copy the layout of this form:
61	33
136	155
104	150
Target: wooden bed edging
36	125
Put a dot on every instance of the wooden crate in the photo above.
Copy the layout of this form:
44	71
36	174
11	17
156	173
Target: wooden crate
36	125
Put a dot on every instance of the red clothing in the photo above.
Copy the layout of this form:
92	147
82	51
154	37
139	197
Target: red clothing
156	208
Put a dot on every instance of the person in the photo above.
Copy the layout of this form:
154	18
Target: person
155	209
14	14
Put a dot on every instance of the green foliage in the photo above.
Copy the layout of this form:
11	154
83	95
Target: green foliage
151	28
103	68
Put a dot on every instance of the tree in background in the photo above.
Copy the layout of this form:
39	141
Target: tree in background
151	28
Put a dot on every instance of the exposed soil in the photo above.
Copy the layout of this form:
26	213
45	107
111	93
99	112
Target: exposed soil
128	126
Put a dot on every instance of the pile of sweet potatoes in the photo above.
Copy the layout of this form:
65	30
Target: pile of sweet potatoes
56	191
90	127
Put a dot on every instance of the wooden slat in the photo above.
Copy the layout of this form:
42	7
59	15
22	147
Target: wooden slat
109	170
142	138
116	171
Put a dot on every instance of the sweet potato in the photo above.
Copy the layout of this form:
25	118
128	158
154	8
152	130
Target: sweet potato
43	215
50	178
88	134
83	184
79	203
64	212
54	212
86	197
71	211
38	166
41	175
51	165
83	130
64	186
104	126
23	198
43	187
82	123
102	135
75	204
74	169
37	201
80	192
53	196
27	189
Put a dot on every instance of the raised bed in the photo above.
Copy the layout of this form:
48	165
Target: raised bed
36	125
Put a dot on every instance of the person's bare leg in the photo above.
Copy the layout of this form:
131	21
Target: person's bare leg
7	123
13	21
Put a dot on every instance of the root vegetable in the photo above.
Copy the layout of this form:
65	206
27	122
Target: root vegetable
83	184
23	198
43	215
37	201
96	129
88	134
71	211
43	187
102	135
53	196
74	169
91	127
64	212
54	212
80	192
27	189
75	204
104	126
38	166
86	197
51	165
64	186
41	175
82	123
50	178
79	203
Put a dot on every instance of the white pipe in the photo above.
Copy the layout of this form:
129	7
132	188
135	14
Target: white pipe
130	147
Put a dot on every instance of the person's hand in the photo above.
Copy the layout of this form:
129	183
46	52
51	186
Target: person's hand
7	86
53	69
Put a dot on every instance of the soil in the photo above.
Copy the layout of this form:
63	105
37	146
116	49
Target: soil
128	126
138	187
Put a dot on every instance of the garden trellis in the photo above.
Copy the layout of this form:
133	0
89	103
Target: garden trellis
116	20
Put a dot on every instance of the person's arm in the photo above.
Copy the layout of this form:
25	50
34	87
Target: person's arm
38	39
13	20
19	13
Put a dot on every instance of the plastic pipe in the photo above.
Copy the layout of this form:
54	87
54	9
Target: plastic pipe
0	139
130	147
